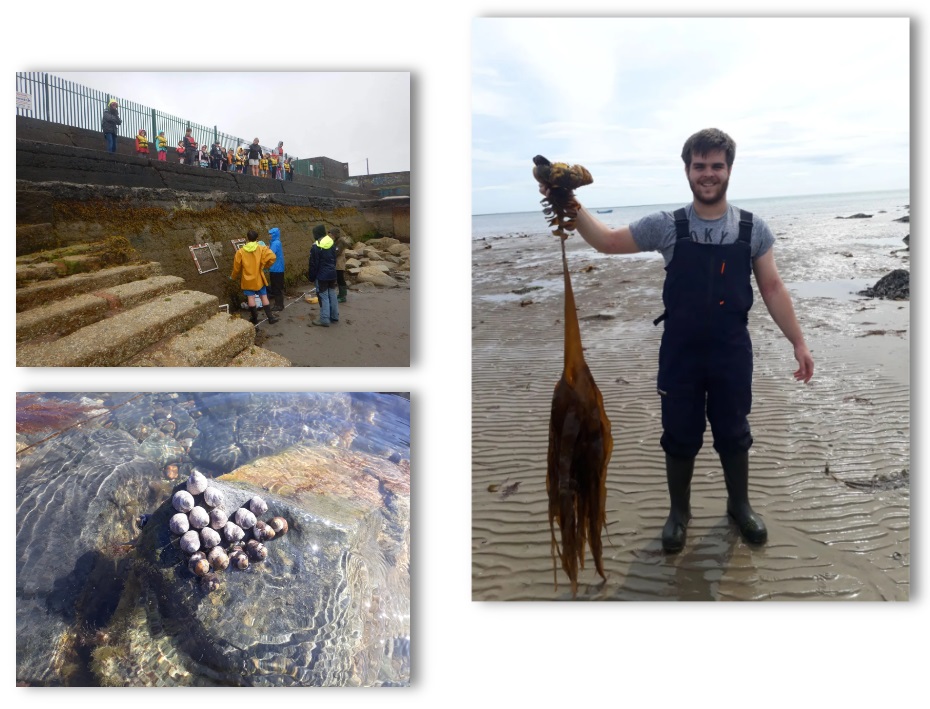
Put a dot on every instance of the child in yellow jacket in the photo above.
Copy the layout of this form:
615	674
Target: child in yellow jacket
142	144
249	269
161	145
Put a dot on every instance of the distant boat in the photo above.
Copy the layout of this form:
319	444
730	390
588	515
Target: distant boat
603	211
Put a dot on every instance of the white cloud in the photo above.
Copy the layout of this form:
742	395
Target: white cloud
621	95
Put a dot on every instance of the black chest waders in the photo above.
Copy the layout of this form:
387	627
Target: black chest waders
705	365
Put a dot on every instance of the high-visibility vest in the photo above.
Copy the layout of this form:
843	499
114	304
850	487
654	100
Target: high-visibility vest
142	144
162	142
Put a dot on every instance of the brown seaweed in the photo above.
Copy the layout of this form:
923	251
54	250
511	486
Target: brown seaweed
561	179
34	414
580	443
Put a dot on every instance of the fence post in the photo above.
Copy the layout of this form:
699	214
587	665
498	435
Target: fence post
154	134
45	81
215	136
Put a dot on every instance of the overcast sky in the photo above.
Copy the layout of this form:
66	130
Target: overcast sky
346	116
815	105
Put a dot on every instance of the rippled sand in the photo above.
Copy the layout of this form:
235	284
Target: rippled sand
829	467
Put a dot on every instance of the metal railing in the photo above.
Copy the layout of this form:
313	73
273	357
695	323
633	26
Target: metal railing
59	101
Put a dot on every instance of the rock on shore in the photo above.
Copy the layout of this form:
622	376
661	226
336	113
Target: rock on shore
894	286
382	262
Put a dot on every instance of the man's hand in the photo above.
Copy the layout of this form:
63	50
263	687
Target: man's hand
806	362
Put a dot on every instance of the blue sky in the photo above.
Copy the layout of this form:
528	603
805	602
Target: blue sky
815	105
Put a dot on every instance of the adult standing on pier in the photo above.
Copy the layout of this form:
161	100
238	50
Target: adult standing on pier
217	156
190	149
255	154
109	124
279	151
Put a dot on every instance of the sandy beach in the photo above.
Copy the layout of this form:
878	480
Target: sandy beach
829	466
373	330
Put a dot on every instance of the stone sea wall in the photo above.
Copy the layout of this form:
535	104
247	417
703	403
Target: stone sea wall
81	195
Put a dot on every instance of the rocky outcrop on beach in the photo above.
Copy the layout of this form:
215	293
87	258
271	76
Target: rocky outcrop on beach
904	220
894	286
858	215
382	262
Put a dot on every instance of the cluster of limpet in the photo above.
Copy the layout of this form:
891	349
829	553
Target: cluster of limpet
202	534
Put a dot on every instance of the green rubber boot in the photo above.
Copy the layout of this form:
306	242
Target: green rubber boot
678	472
736	474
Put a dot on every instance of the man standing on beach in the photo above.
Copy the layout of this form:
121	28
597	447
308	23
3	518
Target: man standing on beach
705	360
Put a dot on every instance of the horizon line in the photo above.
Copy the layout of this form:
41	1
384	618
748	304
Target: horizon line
658	204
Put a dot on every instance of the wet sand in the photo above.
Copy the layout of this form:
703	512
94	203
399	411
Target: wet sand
829	466
373	330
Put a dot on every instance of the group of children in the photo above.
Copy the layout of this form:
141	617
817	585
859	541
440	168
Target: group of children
325	269
274	164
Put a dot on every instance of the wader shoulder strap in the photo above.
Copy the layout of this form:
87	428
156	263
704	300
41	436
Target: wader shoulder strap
682	225
682	231
745	226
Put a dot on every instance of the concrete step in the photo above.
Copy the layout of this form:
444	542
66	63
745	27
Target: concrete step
63	317
60	318
58	268
79	284
79	263
114	340
129	295
32	272
54	254
259	357
56	263
209	344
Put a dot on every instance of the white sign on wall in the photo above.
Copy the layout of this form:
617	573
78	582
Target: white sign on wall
23	101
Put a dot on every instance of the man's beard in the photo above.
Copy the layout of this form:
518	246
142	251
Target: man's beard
716	197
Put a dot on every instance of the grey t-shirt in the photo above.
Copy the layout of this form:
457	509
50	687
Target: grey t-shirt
656	232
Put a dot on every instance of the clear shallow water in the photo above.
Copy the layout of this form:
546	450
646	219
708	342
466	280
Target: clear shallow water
837	290
94	463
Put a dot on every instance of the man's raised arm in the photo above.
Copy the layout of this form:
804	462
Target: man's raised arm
602	237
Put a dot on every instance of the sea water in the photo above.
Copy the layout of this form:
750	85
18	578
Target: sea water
826	252
799	214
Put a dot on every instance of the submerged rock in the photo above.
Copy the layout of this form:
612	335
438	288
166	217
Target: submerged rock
325	607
